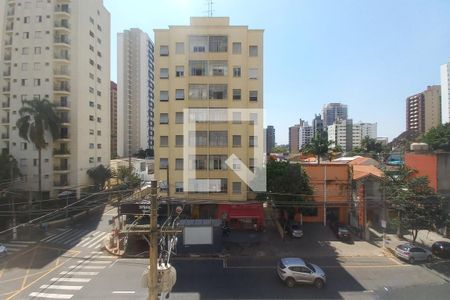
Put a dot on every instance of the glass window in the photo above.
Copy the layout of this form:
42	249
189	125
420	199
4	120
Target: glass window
164	141
164	73
253	95
179	71
253	51
218	115
236	94
179	94
179	164
179	140
164	95
218	68
198	115
236	71
178	187
179	117
37	50
198	67
198	91
218	138
179	48
25	50
218	44
24	67
252	141
164	50
163	163
198	162
217	91
198	43
252	73
237	47
198	138
236	141
236	164
217	162
236	187
164	118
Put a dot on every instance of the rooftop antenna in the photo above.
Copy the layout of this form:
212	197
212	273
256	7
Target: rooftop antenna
210	8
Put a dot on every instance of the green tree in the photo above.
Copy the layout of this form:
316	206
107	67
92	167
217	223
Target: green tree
100	174
37	117
287	184
319	146
418	207
438	137
280	149
127	175
9	170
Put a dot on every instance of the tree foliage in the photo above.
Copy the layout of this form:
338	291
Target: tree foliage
318	146
287	184
438	137
280	149
127	175
417	205
99	174
9	170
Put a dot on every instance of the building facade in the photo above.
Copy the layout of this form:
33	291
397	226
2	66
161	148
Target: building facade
57	50
305	134
423	110
209	88
113	120
361	130
270	138
294	144
332	112
317	125
445	93
341	134
135	92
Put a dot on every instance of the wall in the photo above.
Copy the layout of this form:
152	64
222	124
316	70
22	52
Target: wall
425	164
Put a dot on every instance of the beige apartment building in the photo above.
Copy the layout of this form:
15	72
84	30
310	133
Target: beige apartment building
57	50
423	110
208	72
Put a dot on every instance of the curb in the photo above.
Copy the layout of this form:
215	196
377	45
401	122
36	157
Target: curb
111	251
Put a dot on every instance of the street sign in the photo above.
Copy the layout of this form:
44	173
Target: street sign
135	209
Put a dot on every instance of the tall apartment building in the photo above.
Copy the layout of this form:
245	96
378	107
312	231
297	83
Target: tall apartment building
341	134
57	50
317	126
207	73
362	130
445	93
332	112
294	143
305	134
113	120
270	138
423	110
135	92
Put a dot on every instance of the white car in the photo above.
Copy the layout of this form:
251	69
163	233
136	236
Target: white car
3	250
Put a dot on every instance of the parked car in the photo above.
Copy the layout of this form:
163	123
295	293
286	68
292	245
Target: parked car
297	270
413	253
3	250
441	249
294	229
342	231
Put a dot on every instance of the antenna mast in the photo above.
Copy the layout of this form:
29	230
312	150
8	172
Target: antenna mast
210	7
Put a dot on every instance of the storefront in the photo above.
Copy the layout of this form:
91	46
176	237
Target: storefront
242	216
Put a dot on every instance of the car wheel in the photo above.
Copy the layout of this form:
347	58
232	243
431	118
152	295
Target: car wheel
290	282
318	283
411	260
429	258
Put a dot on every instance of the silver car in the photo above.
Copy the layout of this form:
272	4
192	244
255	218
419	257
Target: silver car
296	270
413	253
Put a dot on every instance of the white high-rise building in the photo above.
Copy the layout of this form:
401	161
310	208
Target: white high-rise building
305	134
361	130
57	50
134	92
445	93
340	134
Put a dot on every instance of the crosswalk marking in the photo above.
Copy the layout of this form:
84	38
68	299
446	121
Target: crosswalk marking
78	273
54	236
63	279
62	287
92	239
93	262
87	267
16	246
51	296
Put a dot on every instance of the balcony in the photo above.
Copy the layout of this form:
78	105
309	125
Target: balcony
7	57
61	184
63	105
5	136
7	73
62	25
6	89
5	120
61	41
61	88
5	104
61	153
62	10
8	42
61	169
10	13
10	27
62	74
62	56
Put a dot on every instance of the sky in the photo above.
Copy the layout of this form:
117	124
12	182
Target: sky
370	55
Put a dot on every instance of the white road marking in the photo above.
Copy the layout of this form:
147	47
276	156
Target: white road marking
62	287
123	292
52	237
78	273
87	267
71	279
93	262
84	239
50	296
94	240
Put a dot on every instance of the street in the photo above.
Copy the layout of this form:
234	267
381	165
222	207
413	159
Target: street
70	263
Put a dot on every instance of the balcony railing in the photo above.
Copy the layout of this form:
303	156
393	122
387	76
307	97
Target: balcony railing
64	9
8	42
62	24
61	56
10	12
9	27
61	168
5	136
6	88
61	152
5	120
61	183
5	104
61	88
7	73
7	57
62	40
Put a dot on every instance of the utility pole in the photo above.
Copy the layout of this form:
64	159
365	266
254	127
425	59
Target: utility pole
154	235
325	196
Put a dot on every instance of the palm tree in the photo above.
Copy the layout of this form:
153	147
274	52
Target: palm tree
318	146
36	118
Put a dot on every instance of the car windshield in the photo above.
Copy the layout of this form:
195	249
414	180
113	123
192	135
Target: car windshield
310	266
281	265
343	229
405	247
295	227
